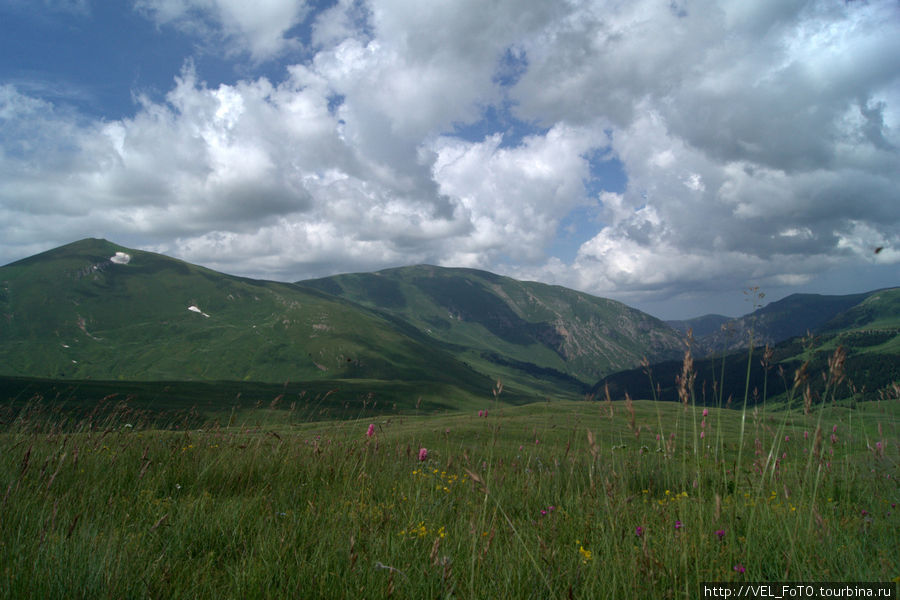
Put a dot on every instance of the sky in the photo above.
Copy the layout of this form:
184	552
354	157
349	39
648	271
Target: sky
670	154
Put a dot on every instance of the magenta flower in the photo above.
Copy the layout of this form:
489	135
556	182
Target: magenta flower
480	413
739	568
720	533
423	454
787	438
639	531
371	430
678	525
705	412
834	429
805	435
702	434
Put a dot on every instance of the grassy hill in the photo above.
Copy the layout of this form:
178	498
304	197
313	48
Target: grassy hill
83	311
94	310
553	336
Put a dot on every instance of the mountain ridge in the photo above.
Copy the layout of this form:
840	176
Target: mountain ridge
94	309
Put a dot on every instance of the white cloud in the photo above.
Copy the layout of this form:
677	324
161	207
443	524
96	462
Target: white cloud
760	141
257	27
544	176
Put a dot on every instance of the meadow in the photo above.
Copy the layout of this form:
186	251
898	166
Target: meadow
556	499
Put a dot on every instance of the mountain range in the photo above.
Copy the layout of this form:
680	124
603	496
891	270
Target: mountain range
96	310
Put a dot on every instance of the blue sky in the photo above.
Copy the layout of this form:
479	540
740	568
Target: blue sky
666	154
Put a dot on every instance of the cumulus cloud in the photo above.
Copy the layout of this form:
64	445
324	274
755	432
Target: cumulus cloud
756	137
759	142
257	27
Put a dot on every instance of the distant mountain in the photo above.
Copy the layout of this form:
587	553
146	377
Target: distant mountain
701	327
96	310
502	325
792	316
866	326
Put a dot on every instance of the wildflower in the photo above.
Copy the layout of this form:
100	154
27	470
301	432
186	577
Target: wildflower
720	533
586	555
371	430
705	412
805	435
423	454
678	525
834	429
702	434
739	568
639	531
787	438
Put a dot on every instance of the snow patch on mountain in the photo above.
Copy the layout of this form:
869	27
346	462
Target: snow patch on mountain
195	309
120	258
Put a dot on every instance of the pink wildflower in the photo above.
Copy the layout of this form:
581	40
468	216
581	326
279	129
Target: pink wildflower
739	568
720	533
423	454
639	531
702	434
834	429
705	412
371	430
678	525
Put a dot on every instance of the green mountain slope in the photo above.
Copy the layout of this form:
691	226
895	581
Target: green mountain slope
93	309
503	326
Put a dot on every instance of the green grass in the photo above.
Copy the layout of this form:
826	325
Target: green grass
542	500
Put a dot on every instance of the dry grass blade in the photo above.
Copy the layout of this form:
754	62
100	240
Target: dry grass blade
476	479
161	520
